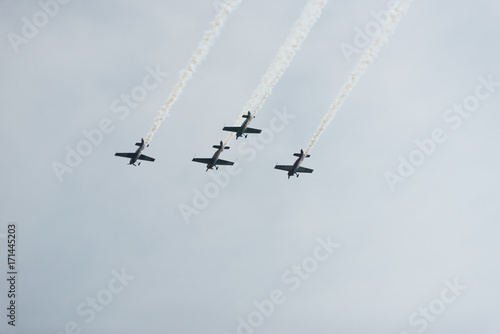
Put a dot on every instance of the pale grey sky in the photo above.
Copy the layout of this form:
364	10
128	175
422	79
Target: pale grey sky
116	234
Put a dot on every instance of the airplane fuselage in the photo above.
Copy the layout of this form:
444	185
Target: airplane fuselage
296	165
215	157
137	154
244	126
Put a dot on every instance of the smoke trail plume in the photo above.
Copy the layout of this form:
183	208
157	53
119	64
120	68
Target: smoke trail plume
198	56
280	63
366	59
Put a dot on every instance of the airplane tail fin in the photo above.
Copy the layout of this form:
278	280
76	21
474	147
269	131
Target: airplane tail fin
219	146
139	144
246	115
301	153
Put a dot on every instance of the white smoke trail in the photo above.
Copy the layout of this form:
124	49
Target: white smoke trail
366	59
280	63
198	56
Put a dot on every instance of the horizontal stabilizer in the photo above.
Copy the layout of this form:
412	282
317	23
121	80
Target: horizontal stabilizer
218	147
246	115
138	144
298	155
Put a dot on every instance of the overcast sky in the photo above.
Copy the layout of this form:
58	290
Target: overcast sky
169	248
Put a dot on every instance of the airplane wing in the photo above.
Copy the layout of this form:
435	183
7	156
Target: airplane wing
202	160
231	128
304	170
224	163
284	167
125	155
145	157
251	130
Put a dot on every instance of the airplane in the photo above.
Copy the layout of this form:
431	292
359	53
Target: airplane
214	160
243	129
296	169
137	154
